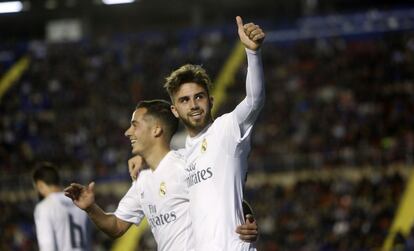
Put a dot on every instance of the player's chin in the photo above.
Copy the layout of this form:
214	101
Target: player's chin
199	121
198	124
204	122
135	151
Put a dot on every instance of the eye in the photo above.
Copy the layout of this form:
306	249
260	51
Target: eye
199	96
184	100
134	124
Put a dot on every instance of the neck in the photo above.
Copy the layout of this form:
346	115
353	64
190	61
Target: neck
195	131
52	189
155	156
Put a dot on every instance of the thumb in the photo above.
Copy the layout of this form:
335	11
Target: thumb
249	218
239	21
91	186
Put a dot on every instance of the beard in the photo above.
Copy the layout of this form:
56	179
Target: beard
196	125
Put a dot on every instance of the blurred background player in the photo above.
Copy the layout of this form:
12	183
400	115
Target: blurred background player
60	225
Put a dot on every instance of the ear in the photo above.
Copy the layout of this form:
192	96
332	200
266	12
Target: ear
157	131
41	187
211	101
174	111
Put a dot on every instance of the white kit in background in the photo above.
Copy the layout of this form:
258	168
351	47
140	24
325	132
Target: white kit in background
57	216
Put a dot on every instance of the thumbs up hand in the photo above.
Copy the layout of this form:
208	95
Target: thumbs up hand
251	35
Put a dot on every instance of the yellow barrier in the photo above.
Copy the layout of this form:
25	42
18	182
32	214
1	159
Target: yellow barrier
13	75
404	218
131	238
227	75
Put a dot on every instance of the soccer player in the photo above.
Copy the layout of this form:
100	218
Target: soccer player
216	150
60	225
160	192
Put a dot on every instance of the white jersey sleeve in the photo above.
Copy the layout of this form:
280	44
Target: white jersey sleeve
44	229
130	206
248	110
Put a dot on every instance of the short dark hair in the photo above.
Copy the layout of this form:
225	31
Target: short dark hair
161	110
46	172
186	74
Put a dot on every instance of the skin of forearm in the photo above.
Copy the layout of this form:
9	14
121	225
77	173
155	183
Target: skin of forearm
106	222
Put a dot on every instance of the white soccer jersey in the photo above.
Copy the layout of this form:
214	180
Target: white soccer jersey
60	225
162	196
216	166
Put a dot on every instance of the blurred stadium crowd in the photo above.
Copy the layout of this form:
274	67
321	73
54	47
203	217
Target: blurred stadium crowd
331	104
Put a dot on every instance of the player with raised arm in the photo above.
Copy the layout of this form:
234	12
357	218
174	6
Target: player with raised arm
60	225
216	150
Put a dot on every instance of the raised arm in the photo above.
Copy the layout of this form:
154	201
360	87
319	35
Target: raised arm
252	37
84	198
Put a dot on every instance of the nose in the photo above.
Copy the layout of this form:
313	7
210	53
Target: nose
127	133
194	104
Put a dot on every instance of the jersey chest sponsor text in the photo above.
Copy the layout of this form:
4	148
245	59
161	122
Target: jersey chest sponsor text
196	176
160	219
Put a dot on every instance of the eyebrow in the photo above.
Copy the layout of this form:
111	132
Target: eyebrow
198	93
182	98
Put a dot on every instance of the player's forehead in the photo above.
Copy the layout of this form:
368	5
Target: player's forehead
189	89
138	114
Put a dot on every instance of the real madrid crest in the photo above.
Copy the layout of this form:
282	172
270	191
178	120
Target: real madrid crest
204	146
163	189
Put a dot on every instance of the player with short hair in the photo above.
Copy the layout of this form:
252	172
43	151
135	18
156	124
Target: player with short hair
216	150
60	225
159	193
